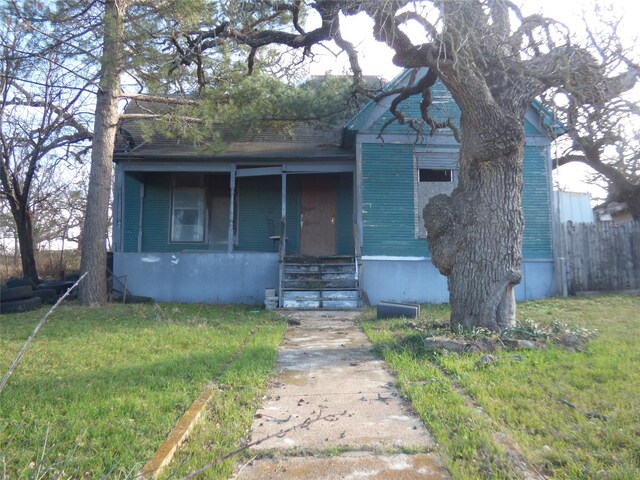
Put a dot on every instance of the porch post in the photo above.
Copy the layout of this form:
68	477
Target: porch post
232	190
283	236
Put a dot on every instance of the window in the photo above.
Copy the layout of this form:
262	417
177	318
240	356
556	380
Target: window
436	173
188	215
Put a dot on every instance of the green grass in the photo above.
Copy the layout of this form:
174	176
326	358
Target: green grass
230	411
522	392
100	388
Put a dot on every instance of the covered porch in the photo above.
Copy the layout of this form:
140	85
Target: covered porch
220	232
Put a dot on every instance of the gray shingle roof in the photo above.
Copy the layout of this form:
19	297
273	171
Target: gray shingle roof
303	140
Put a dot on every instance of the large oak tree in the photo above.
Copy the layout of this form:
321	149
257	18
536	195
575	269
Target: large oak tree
495	61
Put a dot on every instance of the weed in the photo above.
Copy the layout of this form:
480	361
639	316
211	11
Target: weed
526	395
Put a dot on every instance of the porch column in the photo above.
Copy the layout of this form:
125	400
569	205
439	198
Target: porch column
283	234
232	190
283	212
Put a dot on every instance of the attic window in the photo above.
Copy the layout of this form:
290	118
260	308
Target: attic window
436	175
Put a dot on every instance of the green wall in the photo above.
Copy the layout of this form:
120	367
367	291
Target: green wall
388	214
536	205
388	217
259	199
131	213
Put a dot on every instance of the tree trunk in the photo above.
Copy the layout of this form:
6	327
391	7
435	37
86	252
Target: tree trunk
24	229
475	235
93	291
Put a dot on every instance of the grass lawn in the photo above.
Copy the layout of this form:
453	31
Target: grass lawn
541	399
100	388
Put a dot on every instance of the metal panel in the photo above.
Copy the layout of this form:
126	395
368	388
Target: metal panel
419	281
199	277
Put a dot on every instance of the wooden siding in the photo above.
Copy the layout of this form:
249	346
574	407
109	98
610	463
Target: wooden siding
442	108
388	217
131	213
536	242
156	214
259	199
344	243
293	213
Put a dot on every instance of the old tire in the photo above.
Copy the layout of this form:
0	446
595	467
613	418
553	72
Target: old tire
18	306
47	295
19	282
10	294
60	286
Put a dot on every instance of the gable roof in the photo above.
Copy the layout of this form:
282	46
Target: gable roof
539	121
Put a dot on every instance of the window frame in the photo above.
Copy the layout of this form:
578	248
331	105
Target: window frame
201	214
432	159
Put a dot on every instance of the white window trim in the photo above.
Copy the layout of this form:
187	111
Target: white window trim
202	213
430	159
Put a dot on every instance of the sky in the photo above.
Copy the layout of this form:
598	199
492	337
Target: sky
375	59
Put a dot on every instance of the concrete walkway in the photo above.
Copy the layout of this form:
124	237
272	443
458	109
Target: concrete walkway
333	411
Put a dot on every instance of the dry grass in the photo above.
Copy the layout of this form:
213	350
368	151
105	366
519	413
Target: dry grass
50	264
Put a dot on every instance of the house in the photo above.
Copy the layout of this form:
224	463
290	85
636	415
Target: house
614	212
326	218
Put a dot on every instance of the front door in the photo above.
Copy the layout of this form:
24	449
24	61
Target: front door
318	216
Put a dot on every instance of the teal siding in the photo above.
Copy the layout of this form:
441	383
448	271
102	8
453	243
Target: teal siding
388	216
156	213
536	205
388	221
530	130
442	108
259	199
293	213
131	213
344	206
155	221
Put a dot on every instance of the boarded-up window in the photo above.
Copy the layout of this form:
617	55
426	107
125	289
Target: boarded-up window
436	173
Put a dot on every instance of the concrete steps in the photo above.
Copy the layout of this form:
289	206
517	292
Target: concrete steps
320	282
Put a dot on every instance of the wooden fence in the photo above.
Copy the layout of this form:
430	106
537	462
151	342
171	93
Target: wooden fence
601	256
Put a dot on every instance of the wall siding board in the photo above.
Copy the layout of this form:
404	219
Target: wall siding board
259	199
293	213
388	217
441	109
131	213
536	241
344	243
388	203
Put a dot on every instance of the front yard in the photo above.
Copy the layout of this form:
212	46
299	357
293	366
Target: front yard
99	389
572	414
